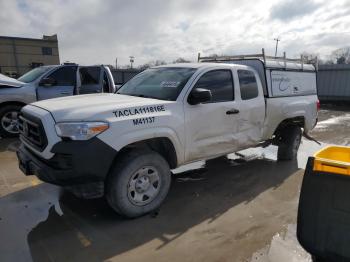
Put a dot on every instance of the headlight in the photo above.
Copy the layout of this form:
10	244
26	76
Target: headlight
81	130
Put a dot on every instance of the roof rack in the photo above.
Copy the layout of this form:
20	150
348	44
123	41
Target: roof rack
261	56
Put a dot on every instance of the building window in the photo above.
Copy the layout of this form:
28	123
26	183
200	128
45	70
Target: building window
47	50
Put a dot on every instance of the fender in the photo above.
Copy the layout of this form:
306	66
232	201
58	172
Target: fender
300	109
283	108
131	137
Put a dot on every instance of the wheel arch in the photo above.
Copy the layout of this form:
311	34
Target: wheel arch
162	145
158	137
294	121
17	103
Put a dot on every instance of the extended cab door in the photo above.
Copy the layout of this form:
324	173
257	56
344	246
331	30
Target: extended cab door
108	85
251	106
61	82
211	127
91	79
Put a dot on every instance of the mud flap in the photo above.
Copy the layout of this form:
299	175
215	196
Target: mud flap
323	226
308	137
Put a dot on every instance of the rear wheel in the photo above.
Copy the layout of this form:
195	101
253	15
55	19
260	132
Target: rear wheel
317	259
138	183
9	120
289	143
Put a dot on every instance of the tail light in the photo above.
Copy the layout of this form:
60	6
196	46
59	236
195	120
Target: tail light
318	104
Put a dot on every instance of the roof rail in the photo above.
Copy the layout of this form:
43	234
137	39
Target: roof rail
261	56
240	57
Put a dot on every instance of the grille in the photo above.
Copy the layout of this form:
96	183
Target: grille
32	131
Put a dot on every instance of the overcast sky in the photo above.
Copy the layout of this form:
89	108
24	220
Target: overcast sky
92	31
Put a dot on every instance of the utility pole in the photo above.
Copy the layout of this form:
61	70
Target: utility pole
116	63
277	40
132	59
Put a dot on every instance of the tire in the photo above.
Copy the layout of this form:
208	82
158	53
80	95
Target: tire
289	143
8	120
138	183
316	259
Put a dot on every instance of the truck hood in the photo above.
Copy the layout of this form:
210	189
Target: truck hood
8	82
93	107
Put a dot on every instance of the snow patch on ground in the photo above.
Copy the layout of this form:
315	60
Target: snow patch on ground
339	120
283	247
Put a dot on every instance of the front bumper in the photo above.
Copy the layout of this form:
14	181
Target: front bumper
80	166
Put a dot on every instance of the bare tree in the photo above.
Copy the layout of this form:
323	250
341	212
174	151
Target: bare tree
181	60
310	58
341	55
151	63
159	62
144	66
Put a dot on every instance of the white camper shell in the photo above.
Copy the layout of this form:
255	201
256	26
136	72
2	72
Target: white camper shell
280	76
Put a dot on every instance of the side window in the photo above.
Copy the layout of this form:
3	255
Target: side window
220	83
248	84
90	75
65	76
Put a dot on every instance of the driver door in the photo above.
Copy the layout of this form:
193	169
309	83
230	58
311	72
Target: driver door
63	84
211	128
91	78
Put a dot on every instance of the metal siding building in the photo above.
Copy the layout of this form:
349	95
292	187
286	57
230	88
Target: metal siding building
333	83
18	55
121	76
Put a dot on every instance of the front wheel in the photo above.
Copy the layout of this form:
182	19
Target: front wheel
289	143
138	183
9	120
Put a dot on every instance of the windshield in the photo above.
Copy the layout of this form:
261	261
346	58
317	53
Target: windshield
163	83
34	74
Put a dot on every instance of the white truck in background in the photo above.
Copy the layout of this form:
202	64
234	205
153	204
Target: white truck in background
124	145
47	82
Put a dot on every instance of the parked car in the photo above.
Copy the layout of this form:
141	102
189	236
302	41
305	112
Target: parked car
47	82
124	145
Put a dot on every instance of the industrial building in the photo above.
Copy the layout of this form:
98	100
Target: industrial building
18	55
121	76
333	83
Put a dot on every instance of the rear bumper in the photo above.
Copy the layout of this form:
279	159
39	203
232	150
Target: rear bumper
81	166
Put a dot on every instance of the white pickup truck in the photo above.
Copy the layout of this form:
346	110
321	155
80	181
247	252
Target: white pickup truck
124	145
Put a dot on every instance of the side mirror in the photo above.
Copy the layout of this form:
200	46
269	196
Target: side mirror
199	95
47	81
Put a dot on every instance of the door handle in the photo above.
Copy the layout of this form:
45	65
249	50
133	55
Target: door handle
233	111
65	93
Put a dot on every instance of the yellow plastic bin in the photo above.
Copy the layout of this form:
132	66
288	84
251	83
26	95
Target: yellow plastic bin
323	226
333	159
